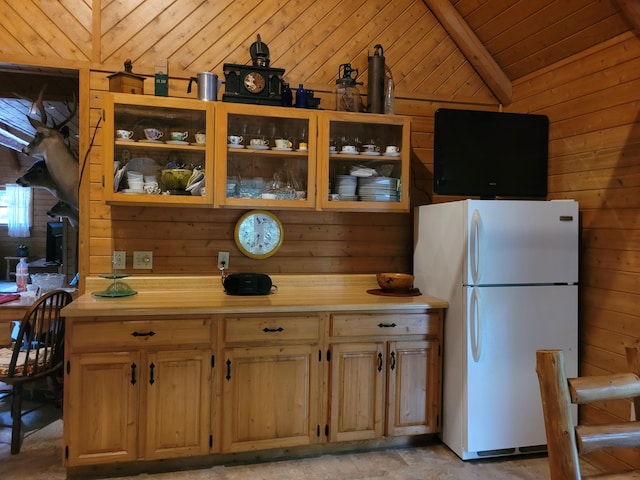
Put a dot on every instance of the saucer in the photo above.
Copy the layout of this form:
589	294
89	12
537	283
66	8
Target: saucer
259	147
371	153
392	154
235	145
283	149
198	144
146	140
124	139
177	142
349	153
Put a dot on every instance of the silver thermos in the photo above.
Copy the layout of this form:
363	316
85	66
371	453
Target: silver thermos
375	87
208	85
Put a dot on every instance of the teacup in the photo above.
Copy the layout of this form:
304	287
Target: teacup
349	149
153	133
151	187
333	149
392	149
371	148
235	139
201	138
302	146
179	136
124	134
283	143
259	142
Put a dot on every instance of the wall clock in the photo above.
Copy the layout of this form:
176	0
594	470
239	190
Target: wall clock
258	234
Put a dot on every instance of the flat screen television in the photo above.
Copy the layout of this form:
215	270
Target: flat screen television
490	154
54	243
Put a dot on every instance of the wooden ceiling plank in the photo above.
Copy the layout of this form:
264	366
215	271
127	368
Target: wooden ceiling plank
472	48
631	10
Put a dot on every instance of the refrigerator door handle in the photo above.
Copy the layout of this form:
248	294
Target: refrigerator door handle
475	334
474	247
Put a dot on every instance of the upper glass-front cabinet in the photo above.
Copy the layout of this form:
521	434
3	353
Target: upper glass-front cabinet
364	161
265	156
158	150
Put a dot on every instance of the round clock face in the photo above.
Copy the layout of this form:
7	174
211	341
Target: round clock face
254	82
258	234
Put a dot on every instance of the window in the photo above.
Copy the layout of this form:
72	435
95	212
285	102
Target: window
15	209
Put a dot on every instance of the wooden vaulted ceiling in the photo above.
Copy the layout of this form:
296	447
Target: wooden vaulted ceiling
466	50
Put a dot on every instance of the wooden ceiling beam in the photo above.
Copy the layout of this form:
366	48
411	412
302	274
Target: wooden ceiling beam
631	10
473	49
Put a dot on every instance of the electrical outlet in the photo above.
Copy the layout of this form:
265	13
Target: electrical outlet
143	260
119	260
223	260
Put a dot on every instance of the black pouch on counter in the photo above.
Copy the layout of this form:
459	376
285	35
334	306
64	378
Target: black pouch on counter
247	284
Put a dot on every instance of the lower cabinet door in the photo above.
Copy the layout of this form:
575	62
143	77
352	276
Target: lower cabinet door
413	389
178	403
358	372
270	397
100	411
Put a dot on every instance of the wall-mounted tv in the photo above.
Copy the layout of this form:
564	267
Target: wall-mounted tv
490	154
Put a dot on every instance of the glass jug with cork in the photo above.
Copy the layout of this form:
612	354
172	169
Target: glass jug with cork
347	94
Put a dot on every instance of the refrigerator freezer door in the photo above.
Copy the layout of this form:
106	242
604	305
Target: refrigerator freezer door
501	406
521	242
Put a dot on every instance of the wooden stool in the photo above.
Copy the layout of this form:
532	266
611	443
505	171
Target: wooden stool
566	442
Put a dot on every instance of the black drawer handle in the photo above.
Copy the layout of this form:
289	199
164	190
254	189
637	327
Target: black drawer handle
147	334
267	330
379	362
387	325
133	374
393	360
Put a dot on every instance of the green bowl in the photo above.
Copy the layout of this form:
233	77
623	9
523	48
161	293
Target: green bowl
175	178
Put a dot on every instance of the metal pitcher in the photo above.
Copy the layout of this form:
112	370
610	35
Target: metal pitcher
208	85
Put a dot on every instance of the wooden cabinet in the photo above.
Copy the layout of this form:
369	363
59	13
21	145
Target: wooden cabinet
374	174
271	393
138	390
266	157
385	375
135	116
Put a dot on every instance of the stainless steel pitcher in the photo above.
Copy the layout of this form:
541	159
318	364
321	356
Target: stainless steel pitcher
208	85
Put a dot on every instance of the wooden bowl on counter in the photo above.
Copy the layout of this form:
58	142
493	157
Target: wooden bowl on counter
395	282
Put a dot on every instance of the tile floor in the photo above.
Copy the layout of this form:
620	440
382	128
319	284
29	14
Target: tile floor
40	459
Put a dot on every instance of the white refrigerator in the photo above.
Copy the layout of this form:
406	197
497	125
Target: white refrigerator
509	270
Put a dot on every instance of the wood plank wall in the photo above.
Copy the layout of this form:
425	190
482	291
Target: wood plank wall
592	102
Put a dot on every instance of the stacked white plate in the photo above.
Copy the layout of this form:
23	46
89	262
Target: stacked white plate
379	189
346	187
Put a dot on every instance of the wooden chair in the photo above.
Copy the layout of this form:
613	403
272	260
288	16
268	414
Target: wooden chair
38	353
565	442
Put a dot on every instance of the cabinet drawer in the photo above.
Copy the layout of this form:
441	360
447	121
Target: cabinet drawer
275	329
349	325
139	333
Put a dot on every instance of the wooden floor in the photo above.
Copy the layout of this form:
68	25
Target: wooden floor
40	459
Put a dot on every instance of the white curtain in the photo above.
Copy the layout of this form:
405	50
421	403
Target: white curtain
18	208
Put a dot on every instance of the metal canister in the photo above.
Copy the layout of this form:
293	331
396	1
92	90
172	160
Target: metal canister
375	86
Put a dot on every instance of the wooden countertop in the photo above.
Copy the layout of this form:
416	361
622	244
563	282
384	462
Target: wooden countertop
170	295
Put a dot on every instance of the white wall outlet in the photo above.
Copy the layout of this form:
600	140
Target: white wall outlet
119	260
223	260
143	260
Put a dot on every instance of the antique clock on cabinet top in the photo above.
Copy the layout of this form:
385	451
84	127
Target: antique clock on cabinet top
258	234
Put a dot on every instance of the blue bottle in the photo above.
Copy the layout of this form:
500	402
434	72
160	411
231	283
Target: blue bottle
301	97
287	95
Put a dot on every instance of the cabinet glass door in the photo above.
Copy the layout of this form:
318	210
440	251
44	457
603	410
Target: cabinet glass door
364	161
269	157
158	150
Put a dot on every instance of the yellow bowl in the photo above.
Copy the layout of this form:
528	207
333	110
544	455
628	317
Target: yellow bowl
175	178
395	282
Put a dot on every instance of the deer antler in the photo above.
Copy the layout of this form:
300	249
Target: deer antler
37	103
72	113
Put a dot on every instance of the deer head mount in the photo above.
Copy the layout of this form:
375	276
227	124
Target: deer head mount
50	145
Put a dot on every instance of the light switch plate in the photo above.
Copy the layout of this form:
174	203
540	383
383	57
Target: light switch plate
223	260
143	260
119	260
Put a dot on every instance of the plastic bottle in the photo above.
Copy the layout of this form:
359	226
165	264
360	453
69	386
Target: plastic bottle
389	99
22	275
